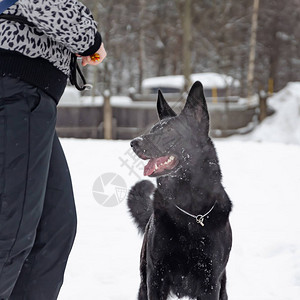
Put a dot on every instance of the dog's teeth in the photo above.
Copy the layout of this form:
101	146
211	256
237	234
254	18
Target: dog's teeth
156	167
171	158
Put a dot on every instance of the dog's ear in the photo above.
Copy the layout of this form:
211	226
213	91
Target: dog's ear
163	108
196	107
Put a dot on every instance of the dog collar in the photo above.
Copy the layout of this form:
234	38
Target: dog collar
199	218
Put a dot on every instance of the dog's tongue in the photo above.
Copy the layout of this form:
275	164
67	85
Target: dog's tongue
150	167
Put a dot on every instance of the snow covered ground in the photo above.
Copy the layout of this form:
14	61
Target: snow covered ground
262	179
263	182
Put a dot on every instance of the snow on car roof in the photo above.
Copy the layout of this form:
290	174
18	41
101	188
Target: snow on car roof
209	80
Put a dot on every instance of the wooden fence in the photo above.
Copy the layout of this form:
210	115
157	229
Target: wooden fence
128	121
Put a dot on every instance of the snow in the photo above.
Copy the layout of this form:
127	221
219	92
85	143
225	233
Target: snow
209	80
284	125
262	180
71	97
261	175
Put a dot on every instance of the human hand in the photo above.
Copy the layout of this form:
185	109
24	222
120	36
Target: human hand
96	58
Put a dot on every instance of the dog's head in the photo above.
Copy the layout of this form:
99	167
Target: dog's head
176	141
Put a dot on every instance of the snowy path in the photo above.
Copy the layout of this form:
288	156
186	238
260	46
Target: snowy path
263	181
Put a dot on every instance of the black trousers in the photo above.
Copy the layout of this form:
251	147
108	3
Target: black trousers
37	211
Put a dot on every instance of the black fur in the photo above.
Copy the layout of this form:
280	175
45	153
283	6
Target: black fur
140	203
179	255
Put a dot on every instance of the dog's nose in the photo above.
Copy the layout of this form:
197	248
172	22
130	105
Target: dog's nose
136	142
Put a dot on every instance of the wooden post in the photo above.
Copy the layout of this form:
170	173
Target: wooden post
107	116
214	93
262	105
270	86
250	77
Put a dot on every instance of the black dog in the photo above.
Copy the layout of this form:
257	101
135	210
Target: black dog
185	219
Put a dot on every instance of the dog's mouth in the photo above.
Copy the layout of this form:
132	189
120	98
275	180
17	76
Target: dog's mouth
160	165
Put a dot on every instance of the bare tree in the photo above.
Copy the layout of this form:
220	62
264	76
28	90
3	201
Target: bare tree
146	38
250	77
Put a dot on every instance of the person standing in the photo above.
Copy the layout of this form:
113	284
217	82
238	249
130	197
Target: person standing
37	210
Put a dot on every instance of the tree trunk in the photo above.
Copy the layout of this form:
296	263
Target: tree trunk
187	39
141	44
250	77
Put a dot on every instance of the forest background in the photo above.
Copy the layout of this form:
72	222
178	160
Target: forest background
145	38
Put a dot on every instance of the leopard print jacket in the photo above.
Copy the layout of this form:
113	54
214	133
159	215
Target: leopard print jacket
62	27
